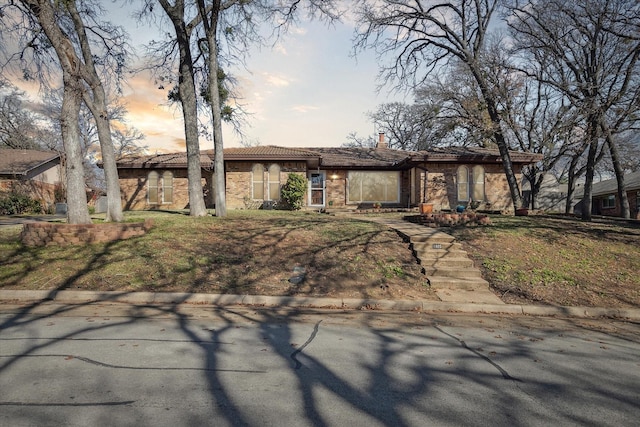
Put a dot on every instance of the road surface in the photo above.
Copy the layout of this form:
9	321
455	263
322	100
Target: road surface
117	364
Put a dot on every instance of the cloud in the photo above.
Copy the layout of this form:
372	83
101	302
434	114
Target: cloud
280	49
304	108
276	80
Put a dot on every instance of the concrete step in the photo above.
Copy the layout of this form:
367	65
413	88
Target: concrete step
438	248
437	237
446	262
453	272
453	283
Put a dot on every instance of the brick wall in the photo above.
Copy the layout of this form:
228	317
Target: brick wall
134	190
46	233
239	181
442	186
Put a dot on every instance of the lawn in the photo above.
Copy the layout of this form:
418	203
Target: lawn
531	260
556	260
249	252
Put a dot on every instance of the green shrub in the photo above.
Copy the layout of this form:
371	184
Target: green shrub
16	204
293	191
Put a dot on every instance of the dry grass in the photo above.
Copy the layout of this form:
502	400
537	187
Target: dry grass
534	260
249	252
544	260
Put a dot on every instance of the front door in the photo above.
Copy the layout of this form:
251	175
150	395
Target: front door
317	189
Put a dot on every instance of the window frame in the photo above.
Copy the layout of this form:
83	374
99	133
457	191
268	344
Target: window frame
608	202
151	177
385	190
463	172
255	174
167	184
273	168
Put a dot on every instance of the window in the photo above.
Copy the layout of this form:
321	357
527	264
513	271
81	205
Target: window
609	202
160	190
470	184
274	182
374	187
152	188
257	180
477	193
167	187
463	184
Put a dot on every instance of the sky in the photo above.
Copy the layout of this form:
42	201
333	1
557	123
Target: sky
306	91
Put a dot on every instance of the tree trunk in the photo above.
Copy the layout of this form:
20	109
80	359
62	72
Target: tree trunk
77	209
186	88
587	199
98	107
216	113
514	188
187	94
619	171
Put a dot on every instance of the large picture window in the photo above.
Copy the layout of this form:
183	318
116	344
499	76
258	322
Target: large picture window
383	187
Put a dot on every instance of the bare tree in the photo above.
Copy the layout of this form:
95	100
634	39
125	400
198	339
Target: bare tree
18	128
60	27
590	50
184	17
421	37
407	126
95	96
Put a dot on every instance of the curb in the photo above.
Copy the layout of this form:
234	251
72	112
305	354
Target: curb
83	297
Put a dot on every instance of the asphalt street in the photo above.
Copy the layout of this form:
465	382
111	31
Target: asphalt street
100	364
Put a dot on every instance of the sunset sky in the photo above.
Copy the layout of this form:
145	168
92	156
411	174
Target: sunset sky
305	91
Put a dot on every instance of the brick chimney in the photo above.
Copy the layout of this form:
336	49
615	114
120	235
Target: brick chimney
381	142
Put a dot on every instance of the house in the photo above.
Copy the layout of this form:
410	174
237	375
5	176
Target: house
338	177
38	174
605	196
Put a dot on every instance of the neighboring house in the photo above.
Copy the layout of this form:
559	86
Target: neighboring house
36	173
339	178
605	196
552	196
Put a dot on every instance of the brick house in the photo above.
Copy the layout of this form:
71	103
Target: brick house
36	173
338	178
605	196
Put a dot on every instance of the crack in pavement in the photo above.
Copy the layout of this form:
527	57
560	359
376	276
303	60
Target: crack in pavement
298	351
141	368
464	345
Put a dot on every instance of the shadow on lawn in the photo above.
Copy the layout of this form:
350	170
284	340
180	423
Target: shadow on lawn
234	255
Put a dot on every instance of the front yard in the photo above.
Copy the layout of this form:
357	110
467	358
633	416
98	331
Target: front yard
249	252
530	260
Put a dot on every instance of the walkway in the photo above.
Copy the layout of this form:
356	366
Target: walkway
448	269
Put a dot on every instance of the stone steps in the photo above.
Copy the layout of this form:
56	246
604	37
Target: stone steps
445	264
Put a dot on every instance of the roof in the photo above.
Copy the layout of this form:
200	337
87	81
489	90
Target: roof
610	186
475	154
163	161
17	162
358	157
331	157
